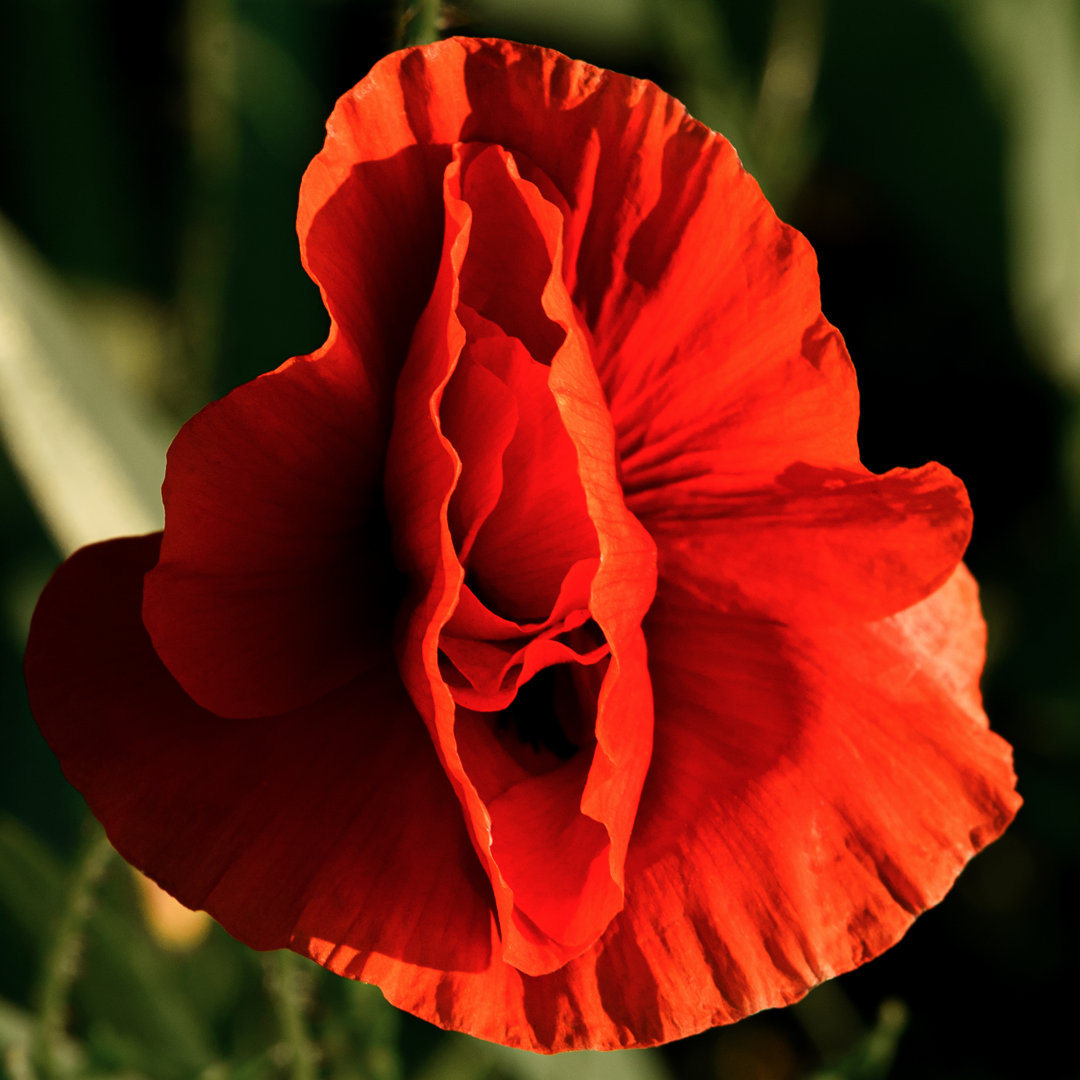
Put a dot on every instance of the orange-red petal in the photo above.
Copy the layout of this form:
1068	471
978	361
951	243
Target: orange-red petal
703	306
820	766
808	798
556	895
819	544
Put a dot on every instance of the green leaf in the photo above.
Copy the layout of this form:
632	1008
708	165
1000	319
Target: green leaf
92	455
1029	54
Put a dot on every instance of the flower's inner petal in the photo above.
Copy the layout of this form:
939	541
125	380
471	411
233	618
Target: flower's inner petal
518	542
540	525
507	270
485	658
479	417
520	642
530	763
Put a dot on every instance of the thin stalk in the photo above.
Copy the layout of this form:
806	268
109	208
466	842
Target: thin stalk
420	22
284	986
208	234
61	963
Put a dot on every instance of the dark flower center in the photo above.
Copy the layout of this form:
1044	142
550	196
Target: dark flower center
535	716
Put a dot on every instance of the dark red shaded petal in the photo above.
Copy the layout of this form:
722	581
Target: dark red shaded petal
777	840
492	657
272	583
820	544
506	272
336	817
370	217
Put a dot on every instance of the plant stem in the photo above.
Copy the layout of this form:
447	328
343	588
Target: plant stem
61	963
420	23
288	995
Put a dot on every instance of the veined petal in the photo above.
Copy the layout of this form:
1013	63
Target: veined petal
555	896
704	310
789	763
819	545
778	841
336	815
272	586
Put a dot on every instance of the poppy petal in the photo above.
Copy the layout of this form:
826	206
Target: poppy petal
704	308
272	585
784	768
776	845
479	418
819	544
823	863
556	897
376	188
539	525
819	767
336	816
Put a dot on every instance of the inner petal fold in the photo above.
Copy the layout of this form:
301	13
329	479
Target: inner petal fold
521	642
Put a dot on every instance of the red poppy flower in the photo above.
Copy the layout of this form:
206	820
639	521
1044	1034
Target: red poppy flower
539	649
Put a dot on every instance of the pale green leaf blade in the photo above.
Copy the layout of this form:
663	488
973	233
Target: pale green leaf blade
92	455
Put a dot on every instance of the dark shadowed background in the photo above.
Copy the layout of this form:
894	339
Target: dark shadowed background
150	158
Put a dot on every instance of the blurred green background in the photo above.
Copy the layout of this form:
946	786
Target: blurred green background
929	149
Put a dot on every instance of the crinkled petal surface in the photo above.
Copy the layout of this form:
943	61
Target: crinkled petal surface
580	426
554	844
337	813
778	840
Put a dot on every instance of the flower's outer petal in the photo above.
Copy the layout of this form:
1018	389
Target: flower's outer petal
272	580
819	545
370	218
778	842
335	820
703	306
783	785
